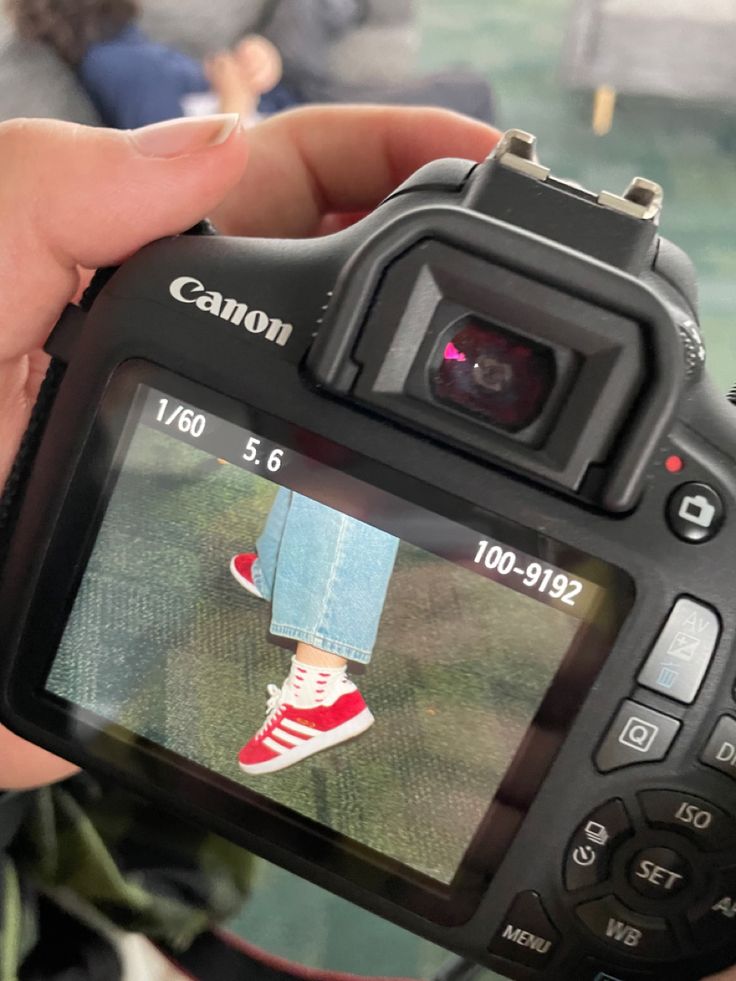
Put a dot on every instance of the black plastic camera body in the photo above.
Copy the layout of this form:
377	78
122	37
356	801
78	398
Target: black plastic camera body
491	344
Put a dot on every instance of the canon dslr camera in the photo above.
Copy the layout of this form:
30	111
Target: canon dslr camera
468	440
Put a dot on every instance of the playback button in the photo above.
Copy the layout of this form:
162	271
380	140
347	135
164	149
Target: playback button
589	853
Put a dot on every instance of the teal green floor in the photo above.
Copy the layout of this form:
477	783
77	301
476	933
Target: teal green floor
691	151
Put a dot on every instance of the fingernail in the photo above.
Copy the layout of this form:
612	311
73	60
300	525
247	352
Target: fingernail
177	137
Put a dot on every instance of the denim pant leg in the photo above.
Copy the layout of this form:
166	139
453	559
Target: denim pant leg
269	543
331	579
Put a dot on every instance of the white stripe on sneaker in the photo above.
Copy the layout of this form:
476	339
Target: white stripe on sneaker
287	737
298	727
274	746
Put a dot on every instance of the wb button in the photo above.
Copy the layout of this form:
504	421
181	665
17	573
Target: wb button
695	512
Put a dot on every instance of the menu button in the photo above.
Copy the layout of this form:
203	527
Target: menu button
526	935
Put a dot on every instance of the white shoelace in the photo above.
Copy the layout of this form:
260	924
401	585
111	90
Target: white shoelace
279	697
274	705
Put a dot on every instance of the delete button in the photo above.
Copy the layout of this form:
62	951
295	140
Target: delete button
720	752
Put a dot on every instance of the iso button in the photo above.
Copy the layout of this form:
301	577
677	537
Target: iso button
695	512
705	824
588	859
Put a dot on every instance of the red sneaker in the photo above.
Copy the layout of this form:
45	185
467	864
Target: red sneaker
291	734
241	567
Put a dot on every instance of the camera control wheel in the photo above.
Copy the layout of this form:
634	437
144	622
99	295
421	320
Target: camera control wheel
658	891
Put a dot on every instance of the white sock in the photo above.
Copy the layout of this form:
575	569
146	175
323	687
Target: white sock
309	686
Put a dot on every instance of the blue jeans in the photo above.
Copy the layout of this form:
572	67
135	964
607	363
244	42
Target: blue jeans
325	574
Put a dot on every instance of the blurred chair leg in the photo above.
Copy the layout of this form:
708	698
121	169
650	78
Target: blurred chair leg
604	104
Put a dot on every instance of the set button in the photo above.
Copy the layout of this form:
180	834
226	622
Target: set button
659	873
589	854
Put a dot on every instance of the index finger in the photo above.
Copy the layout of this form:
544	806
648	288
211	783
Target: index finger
310	162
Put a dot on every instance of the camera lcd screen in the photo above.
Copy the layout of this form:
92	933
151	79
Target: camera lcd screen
418	650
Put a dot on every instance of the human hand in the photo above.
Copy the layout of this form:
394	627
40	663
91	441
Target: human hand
223	73
314	169
260	64
74	198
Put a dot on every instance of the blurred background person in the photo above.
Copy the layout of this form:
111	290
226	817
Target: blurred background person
305	31
134	81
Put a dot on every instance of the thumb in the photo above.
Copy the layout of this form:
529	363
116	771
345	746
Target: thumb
75	196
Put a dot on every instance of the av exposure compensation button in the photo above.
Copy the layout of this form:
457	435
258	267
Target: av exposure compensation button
526	935
637	735
589	853
695	512
681	656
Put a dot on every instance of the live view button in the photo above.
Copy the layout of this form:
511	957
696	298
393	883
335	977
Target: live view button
720	753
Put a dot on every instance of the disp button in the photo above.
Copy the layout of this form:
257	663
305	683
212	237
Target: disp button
720	753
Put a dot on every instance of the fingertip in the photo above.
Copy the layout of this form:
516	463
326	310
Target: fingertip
184	137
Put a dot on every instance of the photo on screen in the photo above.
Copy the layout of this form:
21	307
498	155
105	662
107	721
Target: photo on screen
165	640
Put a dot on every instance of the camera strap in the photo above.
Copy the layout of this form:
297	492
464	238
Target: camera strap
221	956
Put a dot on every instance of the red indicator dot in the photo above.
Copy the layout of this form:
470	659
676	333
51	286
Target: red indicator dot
674	464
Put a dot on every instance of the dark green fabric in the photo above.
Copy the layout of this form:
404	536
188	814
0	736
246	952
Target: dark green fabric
104	850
